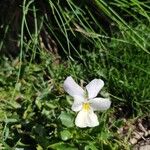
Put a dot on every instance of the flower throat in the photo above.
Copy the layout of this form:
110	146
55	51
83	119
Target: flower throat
86	106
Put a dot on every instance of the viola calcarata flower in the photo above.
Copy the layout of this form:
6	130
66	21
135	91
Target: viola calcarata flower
86	102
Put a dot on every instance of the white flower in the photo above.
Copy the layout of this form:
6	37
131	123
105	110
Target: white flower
85	102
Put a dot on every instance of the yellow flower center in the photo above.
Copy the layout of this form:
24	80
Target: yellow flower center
86	106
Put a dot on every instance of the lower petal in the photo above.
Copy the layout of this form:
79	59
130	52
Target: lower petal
86	119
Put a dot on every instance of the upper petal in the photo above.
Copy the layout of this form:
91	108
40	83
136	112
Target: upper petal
94	87
78	102
72	88
100	103
86	119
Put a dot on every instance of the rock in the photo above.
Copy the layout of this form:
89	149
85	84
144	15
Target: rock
144	147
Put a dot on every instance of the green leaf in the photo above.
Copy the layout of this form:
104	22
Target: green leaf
90	147
67	119
50	105
38	103
18	86
39	147
61	146
10	120
65	135
6	133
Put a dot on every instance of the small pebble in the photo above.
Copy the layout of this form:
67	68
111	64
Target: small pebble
133	141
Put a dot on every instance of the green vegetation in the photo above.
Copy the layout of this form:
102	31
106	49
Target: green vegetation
87	40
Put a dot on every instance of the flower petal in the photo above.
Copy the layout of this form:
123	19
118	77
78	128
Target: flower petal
100	103
86	119
94	87
77	104
72	88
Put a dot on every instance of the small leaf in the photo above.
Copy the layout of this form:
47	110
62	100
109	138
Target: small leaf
14	104
61	146
67	119
18	86
50	105
90	147
65	135
6	133
10	120
38	103
39	147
